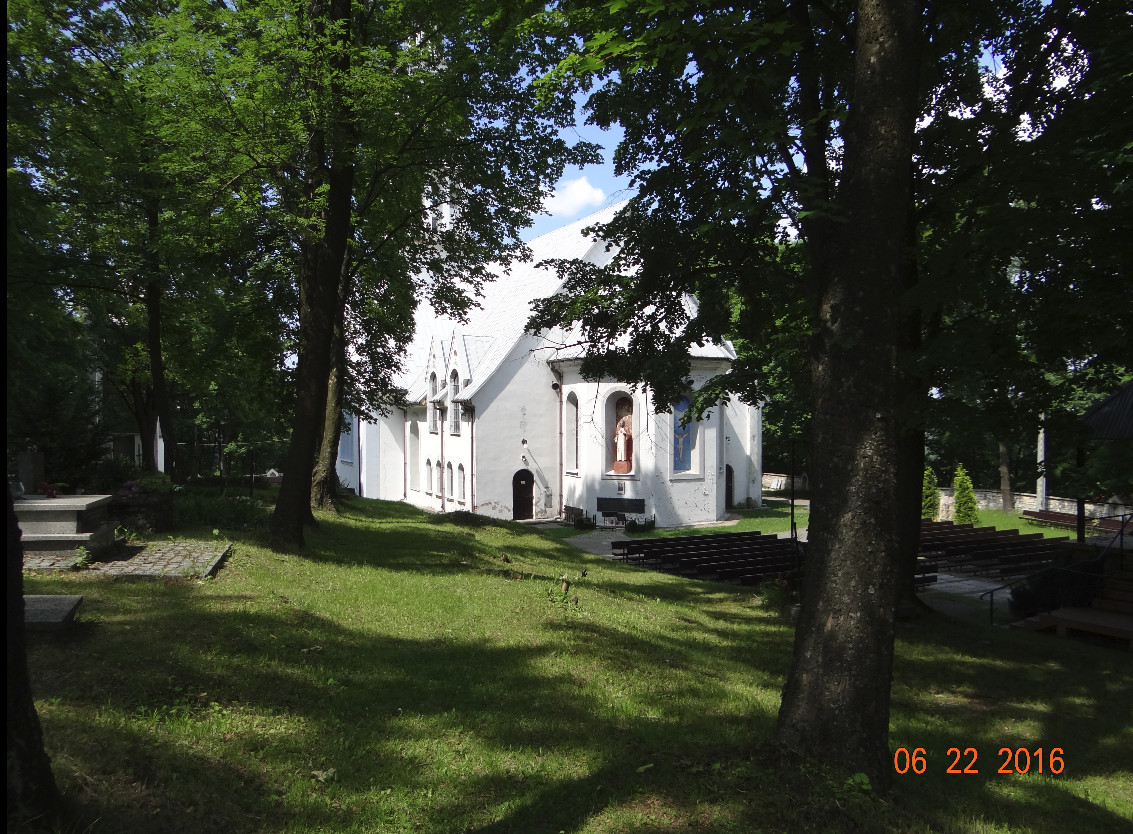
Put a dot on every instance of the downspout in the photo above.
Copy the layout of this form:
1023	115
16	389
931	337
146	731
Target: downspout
404	456
358	437
559	390
472	456
441	485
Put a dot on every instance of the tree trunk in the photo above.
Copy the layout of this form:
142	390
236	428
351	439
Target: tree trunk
836	697
321	265
155	290
1007	496
32	794
141	404
324	484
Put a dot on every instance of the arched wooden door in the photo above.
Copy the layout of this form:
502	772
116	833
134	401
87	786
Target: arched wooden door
729	486
523	495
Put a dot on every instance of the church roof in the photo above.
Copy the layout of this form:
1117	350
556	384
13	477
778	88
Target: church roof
498	322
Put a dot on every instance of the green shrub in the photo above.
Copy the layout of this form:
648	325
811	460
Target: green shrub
584	522
232	512
643	526
930	495
964	498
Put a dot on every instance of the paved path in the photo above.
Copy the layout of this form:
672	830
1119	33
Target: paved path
188	559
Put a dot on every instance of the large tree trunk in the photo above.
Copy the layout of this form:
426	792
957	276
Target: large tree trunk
1006	495
324	484
145	415
321	265
836	698
32	793
155	290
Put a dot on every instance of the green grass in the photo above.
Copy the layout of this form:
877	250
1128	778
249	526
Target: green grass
1004	520
773	517
401	676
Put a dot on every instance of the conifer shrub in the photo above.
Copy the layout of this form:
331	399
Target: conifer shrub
930	495
964	498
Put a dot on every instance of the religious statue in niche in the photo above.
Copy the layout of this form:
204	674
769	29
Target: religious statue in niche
623	436
682	437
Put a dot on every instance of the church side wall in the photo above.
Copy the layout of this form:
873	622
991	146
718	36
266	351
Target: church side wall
676	498
518	403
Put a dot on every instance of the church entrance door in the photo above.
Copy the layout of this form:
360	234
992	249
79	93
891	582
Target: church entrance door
523	495
729	487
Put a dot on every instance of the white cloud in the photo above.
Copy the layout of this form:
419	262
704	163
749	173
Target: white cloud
573	196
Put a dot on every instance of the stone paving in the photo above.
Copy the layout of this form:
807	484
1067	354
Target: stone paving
170	560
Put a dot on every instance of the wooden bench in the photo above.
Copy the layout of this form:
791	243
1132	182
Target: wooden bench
1056	519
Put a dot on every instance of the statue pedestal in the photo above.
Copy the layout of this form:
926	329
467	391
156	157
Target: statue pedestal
623	467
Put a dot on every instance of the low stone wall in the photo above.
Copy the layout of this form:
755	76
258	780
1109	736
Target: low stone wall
992	499
776	482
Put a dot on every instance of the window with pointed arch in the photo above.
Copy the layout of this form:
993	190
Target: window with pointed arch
449	483
454	406
440	479
460	482
432	405
429	477
570	433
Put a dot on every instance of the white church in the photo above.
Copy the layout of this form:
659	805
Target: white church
499	422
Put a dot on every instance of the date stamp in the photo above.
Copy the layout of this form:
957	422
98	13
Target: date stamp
966	760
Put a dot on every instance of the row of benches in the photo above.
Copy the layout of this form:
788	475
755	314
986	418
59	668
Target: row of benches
985	551
1055	519
746	558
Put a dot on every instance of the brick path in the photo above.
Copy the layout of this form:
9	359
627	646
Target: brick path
157	559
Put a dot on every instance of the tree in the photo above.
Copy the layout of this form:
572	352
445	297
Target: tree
740	128
32	793
964	510
714	113
930	495
383	140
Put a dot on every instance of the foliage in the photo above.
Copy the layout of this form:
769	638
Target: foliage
195	508
930	495
965	510
394	640
642	526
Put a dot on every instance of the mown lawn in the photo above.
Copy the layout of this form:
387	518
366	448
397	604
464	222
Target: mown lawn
402	675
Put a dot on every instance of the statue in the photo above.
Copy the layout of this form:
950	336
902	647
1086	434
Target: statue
623	444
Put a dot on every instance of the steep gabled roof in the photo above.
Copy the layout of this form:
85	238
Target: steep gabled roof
497	324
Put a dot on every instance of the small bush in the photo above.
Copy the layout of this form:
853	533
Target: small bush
930	495
635	526
964	498
462	518
232	512
584	522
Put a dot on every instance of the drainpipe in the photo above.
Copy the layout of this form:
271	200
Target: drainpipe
472	456
404	457
558	386
441	485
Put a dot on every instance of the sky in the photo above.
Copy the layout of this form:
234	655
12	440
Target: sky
583	191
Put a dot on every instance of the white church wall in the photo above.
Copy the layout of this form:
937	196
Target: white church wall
382	473
518	403
347	456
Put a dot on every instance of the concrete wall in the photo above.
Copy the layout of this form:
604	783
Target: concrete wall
992	499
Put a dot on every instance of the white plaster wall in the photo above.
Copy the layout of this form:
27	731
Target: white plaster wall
743	450
382	473
348	470
694	498
518	403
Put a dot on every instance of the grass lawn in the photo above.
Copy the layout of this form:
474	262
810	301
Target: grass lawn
401	676
773	517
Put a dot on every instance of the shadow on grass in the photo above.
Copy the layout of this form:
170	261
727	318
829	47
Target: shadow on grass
183	708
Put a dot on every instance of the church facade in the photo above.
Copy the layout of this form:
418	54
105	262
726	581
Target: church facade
500	422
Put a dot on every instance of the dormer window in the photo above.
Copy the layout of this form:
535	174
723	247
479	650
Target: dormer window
454	406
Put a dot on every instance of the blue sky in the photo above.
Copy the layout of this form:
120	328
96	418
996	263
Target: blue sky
583	191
